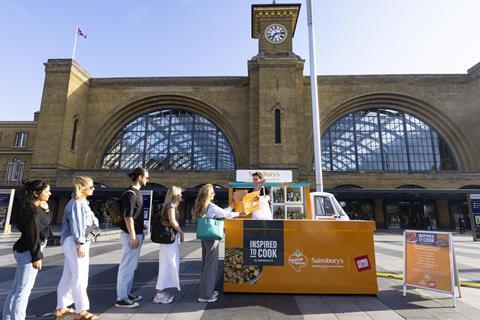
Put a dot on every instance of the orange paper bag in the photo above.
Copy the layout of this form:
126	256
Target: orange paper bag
237	199
250	202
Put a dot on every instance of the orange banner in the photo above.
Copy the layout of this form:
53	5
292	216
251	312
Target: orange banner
300	256
427	260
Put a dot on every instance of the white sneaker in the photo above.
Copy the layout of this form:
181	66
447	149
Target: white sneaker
213	298
163	298
215	294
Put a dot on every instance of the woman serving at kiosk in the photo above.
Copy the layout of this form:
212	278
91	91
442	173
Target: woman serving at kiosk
264	213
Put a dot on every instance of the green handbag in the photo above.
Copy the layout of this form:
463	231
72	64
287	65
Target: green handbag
209	229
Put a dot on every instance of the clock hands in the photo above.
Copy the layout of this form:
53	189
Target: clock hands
275	33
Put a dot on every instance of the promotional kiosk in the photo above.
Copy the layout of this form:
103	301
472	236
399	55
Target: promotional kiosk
297	253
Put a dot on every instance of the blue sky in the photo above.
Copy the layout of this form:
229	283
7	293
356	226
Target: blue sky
212	38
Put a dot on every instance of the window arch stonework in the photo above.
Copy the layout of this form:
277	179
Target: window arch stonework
380	138
438	120
128	111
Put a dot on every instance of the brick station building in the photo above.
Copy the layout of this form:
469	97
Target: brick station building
395	148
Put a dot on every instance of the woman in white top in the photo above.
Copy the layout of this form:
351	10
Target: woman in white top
205	208
169	254
264	213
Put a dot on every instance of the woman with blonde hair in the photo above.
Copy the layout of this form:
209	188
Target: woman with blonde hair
77	218
204	208
169	254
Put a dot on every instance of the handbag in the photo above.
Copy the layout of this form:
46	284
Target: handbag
92	232
209	228
161	233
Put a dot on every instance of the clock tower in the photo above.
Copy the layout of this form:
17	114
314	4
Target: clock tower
274	27
276	89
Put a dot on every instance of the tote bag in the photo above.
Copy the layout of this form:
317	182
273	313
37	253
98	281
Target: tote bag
209	228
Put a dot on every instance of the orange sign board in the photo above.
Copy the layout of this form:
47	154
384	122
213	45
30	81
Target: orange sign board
300	256
428	260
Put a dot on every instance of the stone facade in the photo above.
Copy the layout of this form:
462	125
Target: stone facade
9	151
243	108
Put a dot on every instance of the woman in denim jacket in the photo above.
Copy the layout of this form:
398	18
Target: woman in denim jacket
77	218
34	224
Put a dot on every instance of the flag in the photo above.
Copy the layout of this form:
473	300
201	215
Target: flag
80	33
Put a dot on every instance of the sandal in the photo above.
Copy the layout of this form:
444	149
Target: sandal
61	313
86	316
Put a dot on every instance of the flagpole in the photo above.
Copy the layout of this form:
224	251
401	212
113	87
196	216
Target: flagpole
75	44
314	94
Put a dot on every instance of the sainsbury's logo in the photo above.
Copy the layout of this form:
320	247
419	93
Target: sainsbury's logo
328	263
362	263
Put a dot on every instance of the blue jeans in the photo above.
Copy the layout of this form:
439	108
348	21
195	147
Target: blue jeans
15	307
128	265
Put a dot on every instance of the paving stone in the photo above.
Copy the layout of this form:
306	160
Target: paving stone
105	255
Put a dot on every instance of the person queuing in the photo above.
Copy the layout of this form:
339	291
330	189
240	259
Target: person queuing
131	238
34	225
461	225
78	218
169	254
205	208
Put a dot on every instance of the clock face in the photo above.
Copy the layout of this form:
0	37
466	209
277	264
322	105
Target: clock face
275	33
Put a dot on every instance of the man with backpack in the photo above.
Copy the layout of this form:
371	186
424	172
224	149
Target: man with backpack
131	238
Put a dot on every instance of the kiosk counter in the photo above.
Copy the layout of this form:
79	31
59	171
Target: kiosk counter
300	256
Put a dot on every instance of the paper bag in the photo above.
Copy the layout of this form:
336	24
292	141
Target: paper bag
250	202
237	199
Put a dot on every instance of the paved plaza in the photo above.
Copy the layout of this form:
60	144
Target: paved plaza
389	304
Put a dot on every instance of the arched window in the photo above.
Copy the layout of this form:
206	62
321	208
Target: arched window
278	128
99	185
14	171
74	134
348	186
384	139
410	186
172	139
215	186
472	186
155	186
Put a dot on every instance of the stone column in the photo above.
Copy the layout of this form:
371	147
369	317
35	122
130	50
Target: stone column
379	216
443	214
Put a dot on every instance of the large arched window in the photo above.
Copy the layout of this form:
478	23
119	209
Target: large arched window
169	139
384	139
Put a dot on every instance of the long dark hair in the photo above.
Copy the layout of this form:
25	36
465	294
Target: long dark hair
32	188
